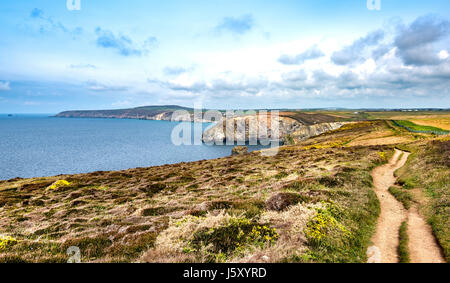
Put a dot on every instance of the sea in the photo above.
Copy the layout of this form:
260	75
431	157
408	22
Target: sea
39	145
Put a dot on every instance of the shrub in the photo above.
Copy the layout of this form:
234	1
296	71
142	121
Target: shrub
7	241
91	247
281	201
12	259
323	224
281	175
186	178
250	208
59	184
288	140
153	189
407	183
382	155
155	211
234	234
330	181
134	246
220	204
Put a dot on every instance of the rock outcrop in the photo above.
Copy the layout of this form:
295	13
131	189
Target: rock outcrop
252	128
307	132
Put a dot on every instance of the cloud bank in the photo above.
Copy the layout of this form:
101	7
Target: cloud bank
354	52
406	62
415	42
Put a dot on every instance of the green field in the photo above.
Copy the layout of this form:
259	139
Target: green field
416	127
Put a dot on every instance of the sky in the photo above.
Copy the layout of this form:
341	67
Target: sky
223	54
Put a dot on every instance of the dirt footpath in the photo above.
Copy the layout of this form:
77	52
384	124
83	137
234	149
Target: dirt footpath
392	212
422	244
423	247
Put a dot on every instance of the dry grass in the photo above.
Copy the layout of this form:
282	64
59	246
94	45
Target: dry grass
381	141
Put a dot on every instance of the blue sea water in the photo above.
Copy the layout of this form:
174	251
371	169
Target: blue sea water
39	145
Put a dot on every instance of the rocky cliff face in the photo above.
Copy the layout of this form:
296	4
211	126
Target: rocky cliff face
261	128
307	132
248	129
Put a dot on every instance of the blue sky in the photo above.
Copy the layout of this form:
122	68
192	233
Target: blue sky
223	54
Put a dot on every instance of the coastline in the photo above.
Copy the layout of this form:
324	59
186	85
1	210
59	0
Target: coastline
44	146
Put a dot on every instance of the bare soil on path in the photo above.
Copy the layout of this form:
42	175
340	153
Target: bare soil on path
422	244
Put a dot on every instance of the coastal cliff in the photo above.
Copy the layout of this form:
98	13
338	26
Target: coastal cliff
307	132
159	113
292	124
261	127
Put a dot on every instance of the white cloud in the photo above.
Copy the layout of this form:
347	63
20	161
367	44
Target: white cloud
368	67
380	63
443	54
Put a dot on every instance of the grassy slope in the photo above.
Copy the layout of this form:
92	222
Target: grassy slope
428	169
169	213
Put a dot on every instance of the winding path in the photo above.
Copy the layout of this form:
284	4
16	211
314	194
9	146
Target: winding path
422	244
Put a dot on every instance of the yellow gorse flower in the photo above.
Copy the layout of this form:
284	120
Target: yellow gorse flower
263	233
59	184
7	241
382	155
321	224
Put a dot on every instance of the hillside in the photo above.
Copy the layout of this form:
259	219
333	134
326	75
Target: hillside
146	112
290	122
164	112
312	202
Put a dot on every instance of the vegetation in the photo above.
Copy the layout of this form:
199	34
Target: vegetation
289	140
323	224
414	127
312	202
6	242
402	196
59	184
403	250
234	234
427	169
